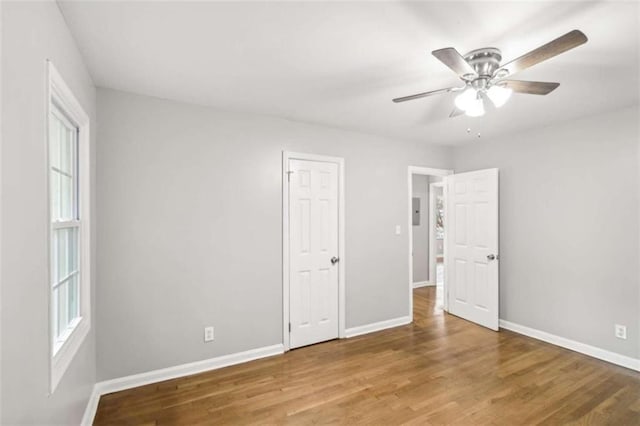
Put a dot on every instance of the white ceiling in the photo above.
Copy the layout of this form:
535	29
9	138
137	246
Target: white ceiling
340	64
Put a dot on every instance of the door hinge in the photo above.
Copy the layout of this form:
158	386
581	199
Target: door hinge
289	327
289	175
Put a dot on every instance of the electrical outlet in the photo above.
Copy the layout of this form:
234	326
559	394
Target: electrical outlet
398	229
621	331
208	334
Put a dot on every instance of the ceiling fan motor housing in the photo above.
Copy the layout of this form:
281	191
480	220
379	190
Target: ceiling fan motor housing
485	62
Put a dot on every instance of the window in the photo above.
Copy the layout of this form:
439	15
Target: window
65	225
69	241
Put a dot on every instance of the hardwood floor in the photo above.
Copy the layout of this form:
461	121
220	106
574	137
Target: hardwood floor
438	370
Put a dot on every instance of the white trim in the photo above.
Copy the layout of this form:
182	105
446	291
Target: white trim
182	370
91	408
286	156
424	284
377	326
188	369
58	91
425	171
583	348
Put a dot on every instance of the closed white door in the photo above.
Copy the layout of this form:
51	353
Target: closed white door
313	252
472	246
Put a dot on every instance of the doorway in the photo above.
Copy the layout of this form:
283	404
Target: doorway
313	249
470	271
427	198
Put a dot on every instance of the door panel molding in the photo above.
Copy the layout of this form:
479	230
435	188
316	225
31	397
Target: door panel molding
341	265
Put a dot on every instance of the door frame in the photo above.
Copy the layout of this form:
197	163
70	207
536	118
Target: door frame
286	156
424	171
432	235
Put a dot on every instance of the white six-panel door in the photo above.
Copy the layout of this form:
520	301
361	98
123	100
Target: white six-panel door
472	246
313	242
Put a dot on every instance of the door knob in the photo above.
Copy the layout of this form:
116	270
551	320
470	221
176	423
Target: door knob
491	257
335	260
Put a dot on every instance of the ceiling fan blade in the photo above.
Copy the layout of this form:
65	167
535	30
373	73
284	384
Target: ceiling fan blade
454	60
456	112
530	87
425	94
561	44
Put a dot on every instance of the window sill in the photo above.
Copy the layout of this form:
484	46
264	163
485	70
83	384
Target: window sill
59	344
65	352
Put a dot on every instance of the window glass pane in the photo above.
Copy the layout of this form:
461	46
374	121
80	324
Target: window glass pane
63	146
55	297
73	298
54	141
66	149
61	254
55	195
72	234
66	198
63	318
62	197
75	195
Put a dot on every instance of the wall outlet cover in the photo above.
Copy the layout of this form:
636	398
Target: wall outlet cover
208	334
620	331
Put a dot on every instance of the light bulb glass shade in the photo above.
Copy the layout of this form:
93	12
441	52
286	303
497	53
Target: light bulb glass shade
476	108
499	95
465	99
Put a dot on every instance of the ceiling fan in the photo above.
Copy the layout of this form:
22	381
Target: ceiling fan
484	77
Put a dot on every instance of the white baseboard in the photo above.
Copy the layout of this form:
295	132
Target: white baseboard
612	357
92	407
128	382
423	284
377	326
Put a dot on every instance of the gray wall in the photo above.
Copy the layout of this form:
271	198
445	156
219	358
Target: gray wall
420	187
31	33
569	222
190	228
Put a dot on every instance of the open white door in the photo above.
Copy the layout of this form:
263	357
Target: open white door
472	246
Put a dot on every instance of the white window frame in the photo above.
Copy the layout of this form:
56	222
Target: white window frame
61	353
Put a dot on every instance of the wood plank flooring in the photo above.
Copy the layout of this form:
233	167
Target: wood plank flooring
438	370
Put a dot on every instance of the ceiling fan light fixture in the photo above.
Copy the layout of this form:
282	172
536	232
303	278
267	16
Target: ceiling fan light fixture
465	99
499	95
483	73
476	108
